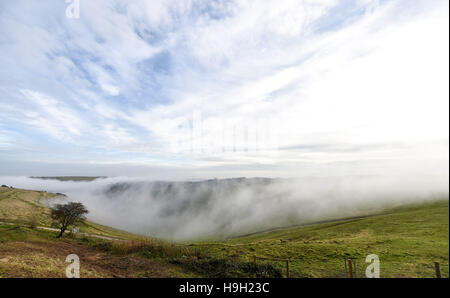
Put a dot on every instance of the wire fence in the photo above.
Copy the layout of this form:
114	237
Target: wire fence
354	267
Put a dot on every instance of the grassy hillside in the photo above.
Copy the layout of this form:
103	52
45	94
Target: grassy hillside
408	241
29	249
27	252
29	207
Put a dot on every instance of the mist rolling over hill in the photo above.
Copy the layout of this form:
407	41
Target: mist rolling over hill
218	209
224	139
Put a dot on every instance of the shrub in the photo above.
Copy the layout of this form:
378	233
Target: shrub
154	248
228	268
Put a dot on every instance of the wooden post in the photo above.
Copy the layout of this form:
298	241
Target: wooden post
287	268
345	265
438	270
254	259
350	268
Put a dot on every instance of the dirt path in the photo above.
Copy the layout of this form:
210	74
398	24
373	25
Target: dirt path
80	233
84	234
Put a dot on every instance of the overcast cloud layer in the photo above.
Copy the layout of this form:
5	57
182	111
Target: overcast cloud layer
189	89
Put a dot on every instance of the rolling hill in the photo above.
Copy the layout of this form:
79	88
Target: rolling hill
407	239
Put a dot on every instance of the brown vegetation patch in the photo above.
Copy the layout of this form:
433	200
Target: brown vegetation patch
47	259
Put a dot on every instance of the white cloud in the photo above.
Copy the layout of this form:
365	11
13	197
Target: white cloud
129	77
364	84
51	116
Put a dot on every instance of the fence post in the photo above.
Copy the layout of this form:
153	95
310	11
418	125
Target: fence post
287	268
350	268
345	264
438	269
254	259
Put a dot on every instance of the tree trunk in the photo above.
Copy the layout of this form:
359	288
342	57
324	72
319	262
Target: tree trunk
61	233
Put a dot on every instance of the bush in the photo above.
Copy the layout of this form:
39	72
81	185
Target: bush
228	268
33	222
151	248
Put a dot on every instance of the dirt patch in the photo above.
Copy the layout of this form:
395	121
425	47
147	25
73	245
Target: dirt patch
47	259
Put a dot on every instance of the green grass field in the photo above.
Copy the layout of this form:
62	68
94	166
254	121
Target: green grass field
29	207
408	240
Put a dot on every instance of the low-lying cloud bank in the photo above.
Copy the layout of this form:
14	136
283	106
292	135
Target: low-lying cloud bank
216	209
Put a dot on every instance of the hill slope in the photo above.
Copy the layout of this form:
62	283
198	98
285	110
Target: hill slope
29	248
408	240
30	207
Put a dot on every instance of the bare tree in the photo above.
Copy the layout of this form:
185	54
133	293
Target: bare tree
68	214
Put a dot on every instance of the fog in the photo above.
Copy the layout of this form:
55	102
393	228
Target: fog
218	209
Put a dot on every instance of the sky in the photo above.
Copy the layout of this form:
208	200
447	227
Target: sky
197	89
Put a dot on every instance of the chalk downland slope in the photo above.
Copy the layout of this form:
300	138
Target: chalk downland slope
26	252
407	239
30	208
29	248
